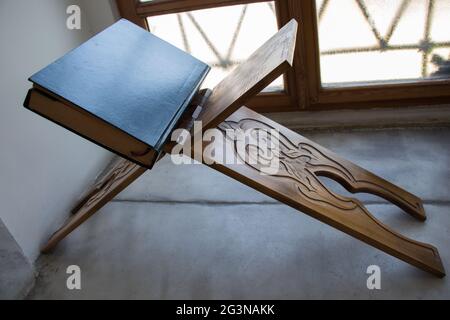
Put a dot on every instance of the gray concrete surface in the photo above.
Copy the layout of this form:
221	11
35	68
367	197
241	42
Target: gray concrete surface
191	233
16	272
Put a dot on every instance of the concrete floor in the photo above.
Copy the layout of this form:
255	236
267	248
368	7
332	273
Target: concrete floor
16	272
191	233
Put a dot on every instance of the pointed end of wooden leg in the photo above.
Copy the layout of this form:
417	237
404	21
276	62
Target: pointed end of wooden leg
432	263
420	212
417	210
439	269
50	245
47	248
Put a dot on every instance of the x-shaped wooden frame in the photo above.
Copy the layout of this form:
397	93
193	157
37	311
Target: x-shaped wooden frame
302	162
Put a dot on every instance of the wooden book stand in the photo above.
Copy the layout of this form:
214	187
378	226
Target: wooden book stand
301	163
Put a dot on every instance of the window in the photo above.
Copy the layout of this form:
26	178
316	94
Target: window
242	30
382	41
350	53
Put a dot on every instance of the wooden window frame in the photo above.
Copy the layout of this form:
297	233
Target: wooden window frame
303	87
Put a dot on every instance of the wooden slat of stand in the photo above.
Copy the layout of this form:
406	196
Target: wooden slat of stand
121	174
297	185
269	62
248	79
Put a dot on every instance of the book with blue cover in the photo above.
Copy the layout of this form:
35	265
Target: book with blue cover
124	89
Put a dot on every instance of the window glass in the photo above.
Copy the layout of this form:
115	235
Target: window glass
221	37
378	41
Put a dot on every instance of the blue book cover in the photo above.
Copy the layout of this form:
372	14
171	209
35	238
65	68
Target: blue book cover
129	78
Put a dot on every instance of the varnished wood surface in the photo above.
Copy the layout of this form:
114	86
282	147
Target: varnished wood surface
120	175
158	7
297	185
249	78
127	10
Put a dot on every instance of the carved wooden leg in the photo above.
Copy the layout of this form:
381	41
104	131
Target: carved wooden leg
357	180
296	183
116	178
121	174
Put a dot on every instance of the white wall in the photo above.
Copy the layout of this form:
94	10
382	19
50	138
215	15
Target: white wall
43	168
99	13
